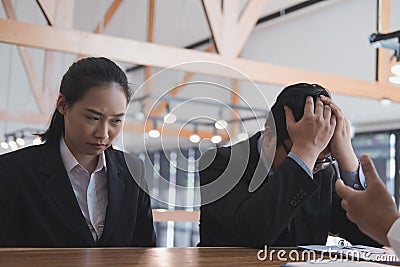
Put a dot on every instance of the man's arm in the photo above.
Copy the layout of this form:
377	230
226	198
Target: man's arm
340	144
258	218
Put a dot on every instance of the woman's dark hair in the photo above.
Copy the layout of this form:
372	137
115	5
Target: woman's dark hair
81	76
293	96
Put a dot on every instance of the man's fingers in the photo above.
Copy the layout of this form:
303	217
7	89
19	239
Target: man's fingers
327	113
319	108
343	190
338	113
344	204
328	101
290	120
368	167
309	106
333	120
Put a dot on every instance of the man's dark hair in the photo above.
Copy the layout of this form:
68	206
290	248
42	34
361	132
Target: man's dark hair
293	96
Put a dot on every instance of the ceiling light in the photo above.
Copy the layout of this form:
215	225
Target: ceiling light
194	138
4	145
20	141
395	79
216	139
396	68
13	145
221	124
154	133
170	118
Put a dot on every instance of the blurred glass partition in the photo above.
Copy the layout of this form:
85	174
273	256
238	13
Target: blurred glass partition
382	147
173	185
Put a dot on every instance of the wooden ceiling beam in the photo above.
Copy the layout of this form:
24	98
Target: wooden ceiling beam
105	21
27	117
247	21
235	100
32	76
144	53
214	16
108	16
230	26
148	68
383	55
230	14
63	19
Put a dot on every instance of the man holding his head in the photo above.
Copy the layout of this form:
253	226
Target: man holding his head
278	187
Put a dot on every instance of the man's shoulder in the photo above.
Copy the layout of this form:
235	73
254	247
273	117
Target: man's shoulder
244	147
234	155
216	155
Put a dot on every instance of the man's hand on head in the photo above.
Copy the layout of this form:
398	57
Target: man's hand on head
312	133
340	145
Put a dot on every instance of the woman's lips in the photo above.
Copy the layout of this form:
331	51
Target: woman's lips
97	145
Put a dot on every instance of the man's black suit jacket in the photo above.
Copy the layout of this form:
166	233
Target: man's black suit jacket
288	208
38	207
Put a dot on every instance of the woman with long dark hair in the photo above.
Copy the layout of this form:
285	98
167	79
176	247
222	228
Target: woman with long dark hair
76	190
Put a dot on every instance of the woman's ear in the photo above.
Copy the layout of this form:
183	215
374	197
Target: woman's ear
61	104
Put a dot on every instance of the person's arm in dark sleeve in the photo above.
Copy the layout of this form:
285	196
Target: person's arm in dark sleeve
257	218
144	235
11	231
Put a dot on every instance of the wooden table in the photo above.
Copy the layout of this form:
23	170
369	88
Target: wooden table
175	257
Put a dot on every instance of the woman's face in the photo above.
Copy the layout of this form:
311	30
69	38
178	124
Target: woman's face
94	121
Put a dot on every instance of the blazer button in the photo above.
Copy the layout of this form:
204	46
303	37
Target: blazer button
356	186
293	203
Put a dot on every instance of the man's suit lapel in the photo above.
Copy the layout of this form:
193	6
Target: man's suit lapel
58	187
116	188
